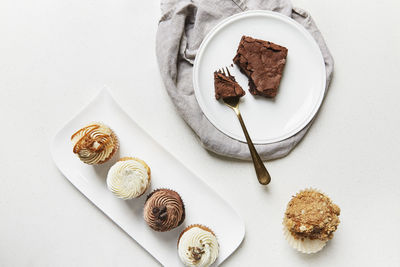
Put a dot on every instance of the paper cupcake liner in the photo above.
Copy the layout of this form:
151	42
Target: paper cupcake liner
312	189
306	245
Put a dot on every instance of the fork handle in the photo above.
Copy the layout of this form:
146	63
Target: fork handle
262	174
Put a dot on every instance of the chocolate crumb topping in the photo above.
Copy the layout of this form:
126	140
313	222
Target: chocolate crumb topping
196	253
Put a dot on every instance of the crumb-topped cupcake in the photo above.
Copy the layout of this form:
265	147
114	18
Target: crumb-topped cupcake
129	178
198	246
310	221
164	210
95	143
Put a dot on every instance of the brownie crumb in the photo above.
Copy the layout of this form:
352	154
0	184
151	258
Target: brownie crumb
226	86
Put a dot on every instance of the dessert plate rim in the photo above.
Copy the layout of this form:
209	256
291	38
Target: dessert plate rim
215	118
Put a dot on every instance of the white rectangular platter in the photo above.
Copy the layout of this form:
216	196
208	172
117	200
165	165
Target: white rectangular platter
202	204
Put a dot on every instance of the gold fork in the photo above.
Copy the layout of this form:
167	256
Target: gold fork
233	102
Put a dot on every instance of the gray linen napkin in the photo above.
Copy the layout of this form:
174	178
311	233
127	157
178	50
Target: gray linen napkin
182	27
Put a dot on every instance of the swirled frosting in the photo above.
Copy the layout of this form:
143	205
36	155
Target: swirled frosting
128	178
95	143
198	246
164	210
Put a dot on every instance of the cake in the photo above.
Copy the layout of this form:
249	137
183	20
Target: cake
198	246
226	86
164	210
310	220
128	178
95	143
263	63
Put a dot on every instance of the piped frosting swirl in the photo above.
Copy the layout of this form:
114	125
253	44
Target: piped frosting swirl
95	143
164	210
128	178
198	246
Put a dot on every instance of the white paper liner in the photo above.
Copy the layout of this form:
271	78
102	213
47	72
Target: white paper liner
307	246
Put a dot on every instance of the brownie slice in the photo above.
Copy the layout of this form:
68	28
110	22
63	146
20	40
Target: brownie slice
226	86
263	64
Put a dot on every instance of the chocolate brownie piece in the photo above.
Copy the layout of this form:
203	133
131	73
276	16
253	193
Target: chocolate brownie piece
226	86
263	64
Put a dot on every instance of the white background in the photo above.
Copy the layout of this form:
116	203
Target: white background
54	57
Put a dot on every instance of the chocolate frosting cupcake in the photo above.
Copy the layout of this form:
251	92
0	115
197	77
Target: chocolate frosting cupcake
164	210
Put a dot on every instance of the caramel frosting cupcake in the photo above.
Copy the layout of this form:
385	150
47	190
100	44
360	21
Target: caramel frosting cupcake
95	143
198	246
310	221
164	210
128	178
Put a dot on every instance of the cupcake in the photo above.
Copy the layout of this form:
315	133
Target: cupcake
95	143
198	246
164	210
310	221
128	178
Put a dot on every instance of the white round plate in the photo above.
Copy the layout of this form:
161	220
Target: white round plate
302	86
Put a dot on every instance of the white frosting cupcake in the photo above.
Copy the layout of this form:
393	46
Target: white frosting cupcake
128	178
198	246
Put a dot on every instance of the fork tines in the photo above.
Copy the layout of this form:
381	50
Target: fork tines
222	70
227	70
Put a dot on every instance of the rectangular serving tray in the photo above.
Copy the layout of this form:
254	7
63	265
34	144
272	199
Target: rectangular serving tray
203	205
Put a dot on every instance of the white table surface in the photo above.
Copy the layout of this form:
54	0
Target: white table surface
54	57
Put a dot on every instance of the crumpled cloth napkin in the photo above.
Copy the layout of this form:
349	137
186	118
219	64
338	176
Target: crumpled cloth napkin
182	27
